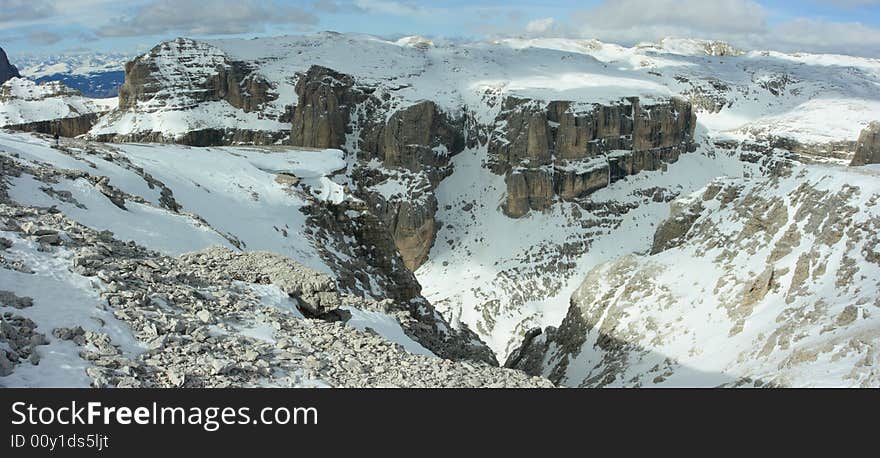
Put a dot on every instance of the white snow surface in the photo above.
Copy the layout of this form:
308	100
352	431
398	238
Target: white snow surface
233	190
24	101
491	272
227	195
387	327
686	315
482	257
60	299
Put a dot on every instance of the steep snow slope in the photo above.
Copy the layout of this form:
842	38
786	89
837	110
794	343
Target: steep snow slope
774	283
503	277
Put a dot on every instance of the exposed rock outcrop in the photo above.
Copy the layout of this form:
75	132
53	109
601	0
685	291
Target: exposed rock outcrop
764	319
200	137
7	70
868	148
65	127
414	141
406	204
206	297
418	138
569	150
326	100
193	313
683	212
371	260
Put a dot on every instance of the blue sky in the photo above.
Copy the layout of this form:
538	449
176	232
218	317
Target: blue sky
40	27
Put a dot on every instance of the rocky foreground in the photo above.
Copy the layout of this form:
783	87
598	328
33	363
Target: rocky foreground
213	318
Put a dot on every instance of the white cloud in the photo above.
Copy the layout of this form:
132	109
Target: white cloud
44	38
540	25
718	15
16	10
326	6
743	23
824	36
851	3
392	7
636	20
196	18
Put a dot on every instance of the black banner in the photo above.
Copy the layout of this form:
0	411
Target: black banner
72	422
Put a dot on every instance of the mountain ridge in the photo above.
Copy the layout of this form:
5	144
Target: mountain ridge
478	185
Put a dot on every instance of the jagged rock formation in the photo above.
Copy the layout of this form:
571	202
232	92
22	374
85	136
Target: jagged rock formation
326	99
868	146
200	137
793	277
417	138
683	212
7	70
405	203
570	150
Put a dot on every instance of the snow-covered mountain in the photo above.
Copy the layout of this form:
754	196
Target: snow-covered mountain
49	107
754	94
492	178
751	282
95	75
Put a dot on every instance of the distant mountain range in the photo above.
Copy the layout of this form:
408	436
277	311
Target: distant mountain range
95	75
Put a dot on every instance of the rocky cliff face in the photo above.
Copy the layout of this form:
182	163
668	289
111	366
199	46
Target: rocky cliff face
405	203
7	70
569	150
65	127
413	143
418	138
326	99
868	146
